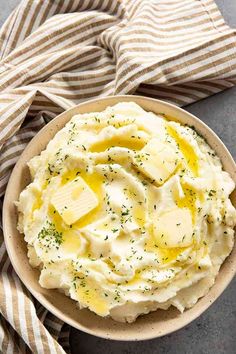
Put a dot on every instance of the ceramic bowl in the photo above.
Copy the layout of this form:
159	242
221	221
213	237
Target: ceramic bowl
149	326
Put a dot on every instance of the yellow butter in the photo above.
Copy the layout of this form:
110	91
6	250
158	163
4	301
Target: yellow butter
174	228
157	161
74	200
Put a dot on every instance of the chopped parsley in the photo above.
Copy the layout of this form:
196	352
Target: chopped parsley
50	236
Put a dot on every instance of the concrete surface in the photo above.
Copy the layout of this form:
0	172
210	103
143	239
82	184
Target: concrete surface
215	331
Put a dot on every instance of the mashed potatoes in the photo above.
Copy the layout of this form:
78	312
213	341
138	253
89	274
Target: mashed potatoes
127	212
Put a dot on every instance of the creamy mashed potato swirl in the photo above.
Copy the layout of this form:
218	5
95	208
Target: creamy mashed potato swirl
127	212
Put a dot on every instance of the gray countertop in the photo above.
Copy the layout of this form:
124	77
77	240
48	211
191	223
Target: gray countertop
214	331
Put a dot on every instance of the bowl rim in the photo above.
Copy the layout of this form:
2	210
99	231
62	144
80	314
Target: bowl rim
41	298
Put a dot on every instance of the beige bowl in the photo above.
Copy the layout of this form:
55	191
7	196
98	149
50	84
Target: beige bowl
153	325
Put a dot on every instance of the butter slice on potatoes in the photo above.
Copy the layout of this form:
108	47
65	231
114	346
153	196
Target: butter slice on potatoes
74	200
157	161
174	228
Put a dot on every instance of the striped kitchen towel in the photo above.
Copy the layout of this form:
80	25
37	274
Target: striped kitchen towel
57	53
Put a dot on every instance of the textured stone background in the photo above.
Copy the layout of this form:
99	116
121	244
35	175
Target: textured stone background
215	331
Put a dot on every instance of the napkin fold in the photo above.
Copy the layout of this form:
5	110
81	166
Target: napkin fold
55	54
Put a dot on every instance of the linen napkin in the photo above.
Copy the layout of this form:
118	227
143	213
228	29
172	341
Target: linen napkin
57	53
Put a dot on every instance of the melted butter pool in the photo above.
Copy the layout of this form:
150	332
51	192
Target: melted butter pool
186	149
188	201
131	143
164	255
89	296
95	182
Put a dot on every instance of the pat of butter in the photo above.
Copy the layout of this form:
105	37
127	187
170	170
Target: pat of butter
74	200
157	161
174	228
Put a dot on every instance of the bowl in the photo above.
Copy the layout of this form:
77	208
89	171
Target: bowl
155	324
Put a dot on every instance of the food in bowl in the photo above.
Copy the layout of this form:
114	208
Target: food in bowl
127	212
